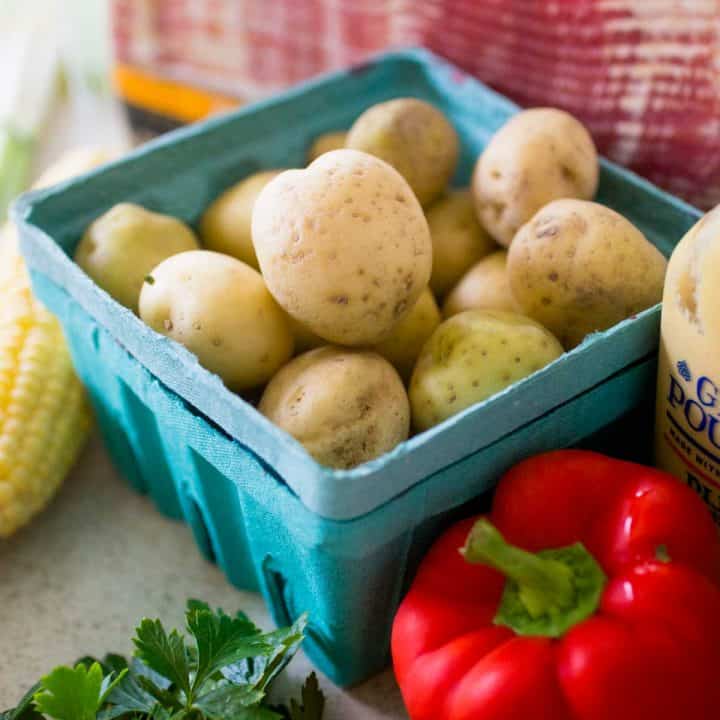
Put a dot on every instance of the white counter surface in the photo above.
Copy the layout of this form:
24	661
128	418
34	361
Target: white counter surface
77	580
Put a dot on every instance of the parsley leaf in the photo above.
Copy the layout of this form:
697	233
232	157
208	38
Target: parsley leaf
150	678
129	696
256	712
114	663
313	701
193	604
25	709
74	693
222	640
163	653
222	671
167	698
262	670
160	713
227	701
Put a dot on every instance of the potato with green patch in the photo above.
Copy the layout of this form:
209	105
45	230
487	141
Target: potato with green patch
218	308
485	286
410	334
325	143
226	224
473	356
458	239
122	246
539	155
578	267
344	246
345	406
415	138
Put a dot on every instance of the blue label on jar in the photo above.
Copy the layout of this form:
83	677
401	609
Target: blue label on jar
693	434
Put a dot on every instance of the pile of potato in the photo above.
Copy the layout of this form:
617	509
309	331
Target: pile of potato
342	265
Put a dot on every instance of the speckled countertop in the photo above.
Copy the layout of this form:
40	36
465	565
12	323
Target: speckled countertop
99	558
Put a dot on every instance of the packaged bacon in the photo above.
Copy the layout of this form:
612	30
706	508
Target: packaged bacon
641	74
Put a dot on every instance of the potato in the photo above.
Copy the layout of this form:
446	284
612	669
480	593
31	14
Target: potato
325	143
577	267
539	155
122	246
415	138
219	309
304	339
346	407
458	239
75	162
485	286
226	225
343	245
472	356
406	341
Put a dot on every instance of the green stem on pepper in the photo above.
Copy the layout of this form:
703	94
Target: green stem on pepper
546	593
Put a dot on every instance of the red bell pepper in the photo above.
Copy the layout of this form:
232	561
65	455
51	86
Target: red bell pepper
619	621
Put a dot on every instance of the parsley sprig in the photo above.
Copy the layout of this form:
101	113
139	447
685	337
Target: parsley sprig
222	673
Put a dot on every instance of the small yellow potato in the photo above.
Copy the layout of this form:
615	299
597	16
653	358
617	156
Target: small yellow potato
325	143
407	338
539	155
473	356
345	406
485	286
218	308
74	162
578	267
226	225
458	239
415	138
343	246
122	246
304	339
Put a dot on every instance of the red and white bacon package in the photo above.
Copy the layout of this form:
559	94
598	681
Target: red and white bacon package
644	75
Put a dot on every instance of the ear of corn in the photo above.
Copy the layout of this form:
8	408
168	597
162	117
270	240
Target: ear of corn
44	418
44	415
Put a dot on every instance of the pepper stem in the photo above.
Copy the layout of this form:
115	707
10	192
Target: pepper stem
546	593
543	583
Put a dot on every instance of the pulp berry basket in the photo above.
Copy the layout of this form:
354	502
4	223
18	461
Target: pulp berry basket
340	544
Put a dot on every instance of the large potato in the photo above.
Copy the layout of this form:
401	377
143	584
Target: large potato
346	407
458	239
485	286
343	245
220	309
226	224
539	155
415	138
407	338
577	267
122	246
472	356
325	143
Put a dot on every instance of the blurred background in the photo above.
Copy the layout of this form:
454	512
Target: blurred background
55	87
642	74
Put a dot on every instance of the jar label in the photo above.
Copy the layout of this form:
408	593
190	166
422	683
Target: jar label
691	431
